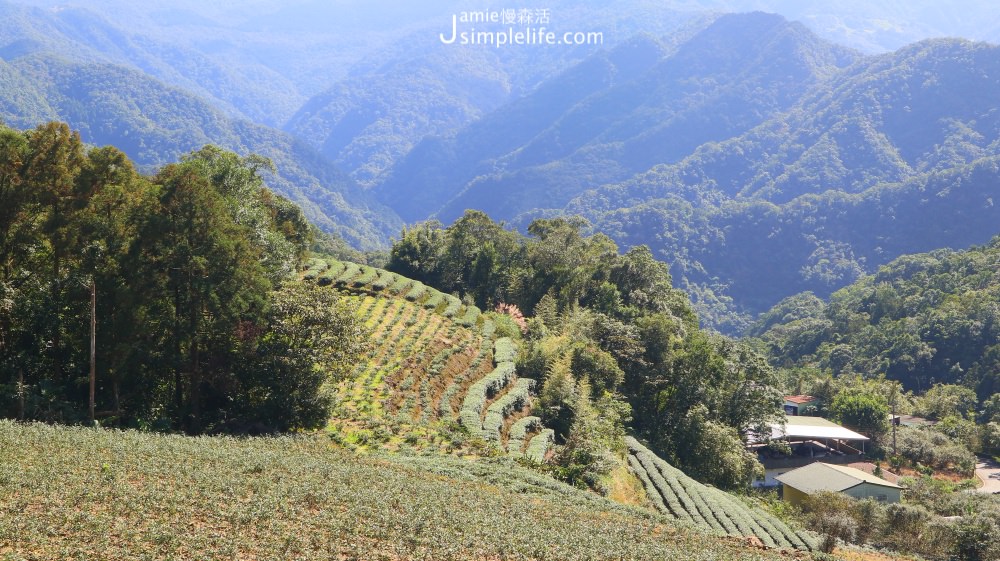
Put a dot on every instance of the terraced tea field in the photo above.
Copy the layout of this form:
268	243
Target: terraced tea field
433	361
682	498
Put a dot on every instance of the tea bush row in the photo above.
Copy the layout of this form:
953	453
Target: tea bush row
676	494
480	392
515	399
519	431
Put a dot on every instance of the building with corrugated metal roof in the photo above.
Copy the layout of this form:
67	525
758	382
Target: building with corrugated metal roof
818	476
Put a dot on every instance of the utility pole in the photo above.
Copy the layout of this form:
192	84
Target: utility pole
895	419
93	346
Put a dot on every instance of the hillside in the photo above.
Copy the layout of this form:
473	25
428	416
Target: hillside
895	155
619	112
921	319
128	495
435	362
155	124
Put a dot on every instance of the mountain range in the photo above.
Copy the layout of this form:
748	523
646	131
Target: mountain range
750	152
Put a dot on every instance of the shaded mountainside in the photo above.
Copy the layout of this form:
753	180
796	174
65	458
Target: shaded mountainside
366	123
179	56
155	124
419	88
896	155
619	112
922	319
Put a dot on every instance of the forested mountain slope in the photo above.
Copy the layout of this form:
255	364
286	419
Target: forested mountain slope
420	87
617	113
922	319
154	124
173	54
898	154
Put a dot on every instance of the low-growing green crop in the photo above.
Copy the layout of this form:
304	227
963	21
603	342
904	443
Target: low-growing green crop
470	316
452	307
505	350
519	431
366	277
539	445
78	493
675	494
434	300
516	398
480	392
416	292
350	271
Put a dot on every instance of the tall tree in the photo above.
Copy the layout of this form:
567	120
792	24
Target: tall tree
213	276
55	160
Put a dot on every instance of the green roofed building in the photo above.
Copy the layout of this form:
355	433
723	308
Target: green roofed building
818	476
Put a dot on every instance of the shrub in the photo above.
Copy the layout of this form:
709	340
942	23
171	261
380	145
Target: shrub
454	304
436	299
400	284
416	292
366	277
511	401
482	390
539	445
519	430
350	271
504	350
512	311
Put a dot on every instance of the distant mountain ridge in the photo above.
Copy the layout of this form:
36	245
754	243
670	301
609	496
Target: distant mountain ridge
897	155
154	124
617	113
864	145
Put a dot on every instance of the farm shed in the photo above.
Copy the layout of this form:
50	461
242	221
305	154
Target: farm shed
810	439
818	476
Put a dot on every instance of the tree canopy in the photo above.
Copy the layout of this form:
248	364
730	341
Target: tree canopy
187	276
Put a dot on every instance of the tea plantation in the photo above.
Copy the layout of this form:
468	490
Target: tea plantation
79	493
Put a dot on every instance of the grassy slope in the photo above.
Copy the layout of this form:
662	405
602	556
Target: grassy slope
75	493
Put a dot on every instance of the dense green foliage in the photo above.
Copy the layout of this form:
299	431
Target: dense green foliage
914	526
859	161
876	162
923	320
73	492
610	341
155	124
183	275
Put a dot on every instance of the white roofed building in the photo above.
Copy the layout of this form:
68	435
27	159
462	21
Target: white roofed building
811	439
